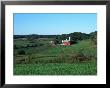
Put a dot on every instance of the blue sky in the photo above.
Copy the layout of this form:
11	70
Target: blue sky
54	23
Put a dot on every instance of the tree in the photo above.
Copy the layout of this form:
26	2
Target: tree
21	52
93	37
79	36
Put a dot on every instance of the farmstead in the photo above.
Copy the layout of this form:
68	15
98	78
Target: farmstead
66	42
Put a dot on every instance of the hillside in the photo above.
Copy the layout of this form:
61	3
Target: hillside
44	59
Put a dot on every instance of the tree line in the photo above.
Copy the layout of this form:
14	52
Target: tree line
75	36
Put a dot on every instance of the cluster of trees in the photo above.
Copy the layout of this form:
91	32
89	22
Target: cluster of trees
93	37
76	36
34	36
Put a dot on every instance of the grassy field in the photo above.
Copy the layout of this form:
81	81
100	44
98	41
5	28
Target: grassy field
45	59
87	68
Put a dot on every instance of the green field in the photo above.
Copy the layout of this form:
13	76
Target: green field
88	68
41	58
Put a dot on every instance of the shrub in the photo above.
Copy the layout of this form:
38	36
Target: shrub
20	59
21	52
30	59
15	47
94	41
79	56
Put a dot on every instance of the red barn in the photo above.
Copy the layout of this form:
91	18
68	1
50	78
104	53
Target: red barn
66	42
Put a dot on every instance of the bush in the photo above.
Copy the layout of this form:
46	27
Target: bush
20	59
79	56
31	59
15	47
94	41
21	52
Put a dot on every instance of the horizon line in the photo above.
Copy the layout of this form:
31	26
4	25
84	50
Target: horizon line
53	34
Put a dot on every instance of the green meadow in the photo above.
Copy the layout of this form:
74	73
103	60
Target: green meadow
39	57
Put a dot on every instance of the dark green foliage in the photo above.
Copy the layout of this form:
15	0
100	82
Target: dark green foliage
31	37
34	36
74	42
93	37
94	40
21	52
15	47
79	36
93	34
64	36
20	59
57	40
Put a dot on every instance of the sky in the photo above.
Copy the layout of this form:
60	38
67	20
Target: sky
54	23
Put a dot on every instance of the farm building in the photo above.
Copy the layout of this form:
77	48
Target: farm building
66	42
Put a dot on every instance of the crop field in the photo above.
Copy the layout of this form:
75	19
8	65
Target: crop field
87	68
39	57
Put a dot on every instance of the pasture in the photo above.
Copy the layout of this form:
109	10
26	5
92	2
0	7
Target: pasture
39	57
